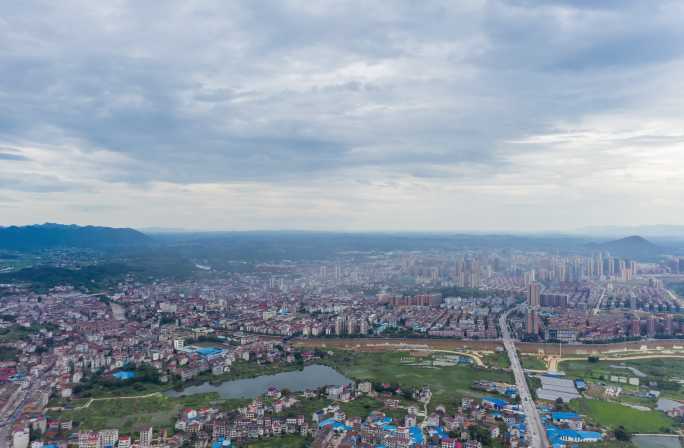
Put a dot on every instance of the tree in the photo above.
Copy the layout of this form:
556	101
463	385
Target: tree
480	434
622	434
593	359
559	404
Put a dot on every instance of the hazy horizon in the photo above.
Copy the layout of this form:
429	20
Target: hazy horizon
657	232
488	116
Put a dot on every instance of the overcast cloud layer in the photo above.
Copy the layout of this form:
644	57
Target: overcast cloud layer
479	115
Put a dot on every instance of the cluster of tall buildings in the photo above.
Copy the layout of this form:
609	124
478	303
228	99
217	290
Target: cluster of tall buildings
335	272
533	305
652	325
597	267
554	300
565	321
468	273
350	325
676	265
434	299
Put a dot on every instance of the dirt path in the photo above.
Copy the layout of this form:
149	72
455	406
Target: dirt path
92	400
554	361
476	359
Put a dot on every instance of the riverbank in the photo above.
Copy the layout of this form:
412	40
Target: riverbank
310	377
532	348
239	370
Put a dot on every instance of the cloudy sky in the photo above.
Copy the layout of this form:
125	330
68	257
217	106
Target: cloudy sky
456	115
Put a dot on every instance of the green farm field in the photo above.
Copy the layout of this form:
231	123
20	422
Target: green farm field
612	415
290	441
448	384
128	415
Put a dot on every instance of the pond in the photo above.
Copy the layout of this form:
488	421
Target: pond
311	377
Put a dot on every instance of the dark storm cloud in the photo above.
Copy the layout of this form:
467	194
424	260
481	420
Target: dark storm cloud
288	90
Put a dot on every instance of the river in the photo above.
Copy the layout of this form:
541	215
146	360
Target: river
311	377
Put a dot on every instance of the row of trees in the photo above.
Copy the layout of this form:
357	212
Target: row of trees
144	374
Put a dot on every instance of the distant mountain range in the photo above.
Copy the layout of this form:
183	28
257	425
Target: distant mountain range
633	246
53	236
645	231
268	245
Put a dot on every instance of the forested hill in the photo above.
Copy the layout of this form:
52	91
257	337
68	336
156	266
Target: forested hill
53	236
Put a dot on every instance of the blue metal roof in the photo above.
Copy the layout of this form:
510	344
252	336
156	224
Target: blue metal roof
496	401
564	416
416	434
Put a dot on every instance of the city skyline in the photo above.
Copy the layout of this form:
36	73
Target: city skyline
490	116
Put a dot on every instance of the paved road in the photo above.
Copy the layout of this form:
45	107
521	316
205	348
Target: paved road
535	428
597	308
9	420
675	297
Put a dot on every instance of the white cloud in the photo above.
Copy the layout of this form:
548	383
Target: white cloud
429	115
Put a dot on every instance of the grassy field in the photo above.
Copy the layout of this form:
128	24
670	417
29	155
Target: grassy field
606	413
448	384
15	333
533	362
127	415
306	407
598	371
664	368
361	407
662	371
658	369
130	414
497	359
290	441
